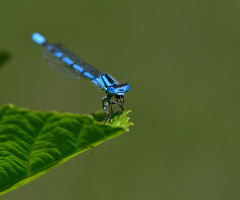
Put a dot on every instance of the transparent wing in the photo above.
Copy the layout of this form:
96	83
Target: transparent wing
49	53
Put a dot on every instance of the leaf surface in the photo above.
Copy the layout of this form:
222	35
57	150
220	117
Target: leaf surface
33	142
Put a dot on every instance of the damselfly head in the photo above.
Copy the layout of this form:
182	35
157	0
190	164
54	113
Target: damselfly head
119	89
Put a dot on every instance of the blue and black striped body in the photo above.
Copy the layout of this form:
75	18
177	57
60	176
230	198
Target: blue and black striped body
66	63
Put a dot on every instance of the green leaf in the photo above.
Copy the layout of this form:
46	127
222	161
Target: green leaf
32	142
4	57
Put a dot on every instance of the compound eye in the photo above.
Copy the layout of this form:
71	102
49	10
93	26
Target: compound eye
127	87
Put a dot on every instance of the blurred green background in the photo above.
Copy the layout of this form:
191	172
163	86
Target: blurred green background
181	59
